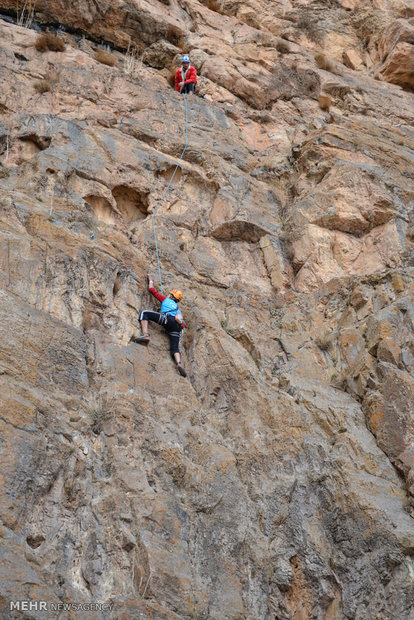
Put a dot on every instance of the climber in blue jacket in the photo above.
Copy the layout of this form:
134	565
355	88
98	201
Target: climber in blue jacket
170	318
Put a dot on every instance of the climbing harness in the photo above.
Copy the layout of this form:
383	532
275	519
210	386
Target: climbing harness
166	190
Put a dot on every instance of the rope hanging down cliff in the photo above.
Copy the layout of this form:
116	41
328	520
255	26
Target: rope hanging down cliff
166	190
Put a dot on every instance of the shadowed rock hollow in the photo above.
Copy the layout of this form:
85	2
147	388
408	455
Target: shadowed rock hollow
277	480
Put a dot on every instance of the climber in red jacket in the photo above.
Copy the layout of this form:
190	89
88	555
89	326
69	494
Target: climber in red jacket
185	77
170	318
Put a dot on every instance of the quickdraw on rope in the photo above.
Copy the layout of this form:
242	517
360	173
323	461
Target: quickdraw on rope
166	190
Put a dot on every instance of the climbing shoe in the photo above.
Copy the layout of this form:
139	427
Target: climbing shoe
141	339
181	370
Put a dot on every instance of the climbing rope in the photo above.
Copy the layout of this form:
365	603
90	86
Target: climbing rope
166	190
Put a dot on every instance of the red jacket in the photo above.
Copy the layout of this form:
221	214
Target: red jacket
191	76
156	294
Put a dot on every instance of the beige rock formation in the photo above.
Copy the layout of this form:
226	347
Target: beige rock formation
277	480
399	66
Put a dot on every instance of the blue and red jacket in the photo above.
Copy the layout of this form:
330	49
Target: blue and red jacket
161	298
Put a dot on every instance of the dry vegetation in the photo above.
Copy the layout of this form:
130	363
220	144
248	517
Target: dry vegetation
49	42
132	64
100	407
214	5
105	57
283	47
51	78
325	63
4	172
175	36
309	24
287	82
25	14
42	86
368	21
325	102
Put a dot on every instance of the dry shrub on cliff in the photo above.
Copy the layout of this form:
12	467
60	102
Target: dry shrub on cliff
4	172
49	42
291	81
368	21
324	340
310	26
132	65
42	86
99	407
213	5
175	36
25	15
105	57
325	63
325	101
51	78
283	47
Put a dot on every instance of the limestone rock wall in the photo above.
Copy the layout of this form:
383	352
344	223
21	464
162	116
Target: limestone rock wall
276	481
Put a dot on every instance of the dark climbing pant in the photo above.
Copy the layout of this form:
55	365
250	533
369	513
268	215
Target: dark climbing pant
188	88
170	325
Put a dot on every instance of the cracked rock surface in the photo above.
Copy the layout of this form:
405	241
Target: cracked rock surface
277	480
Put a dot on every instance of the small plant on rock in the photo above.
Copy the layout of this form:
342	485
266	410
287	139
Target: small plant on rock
324	341
213	5
49	42
105	57
25	15
368	21
308	23
288	81
325	102
99	407
132	65
42	86
283	47
325	63
4	172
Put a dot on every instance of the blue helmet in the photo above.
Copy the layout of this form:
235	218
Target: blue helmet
185	59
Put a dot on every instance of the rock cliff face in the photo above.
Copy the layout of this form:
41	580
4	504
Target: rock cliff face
277	480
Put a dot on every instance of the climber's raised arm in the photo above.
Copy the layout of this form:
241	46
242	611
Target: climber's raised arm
153	291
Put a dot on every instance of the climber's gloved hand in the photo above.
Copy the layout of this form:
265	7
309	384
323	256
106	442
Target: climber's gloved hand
150	281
